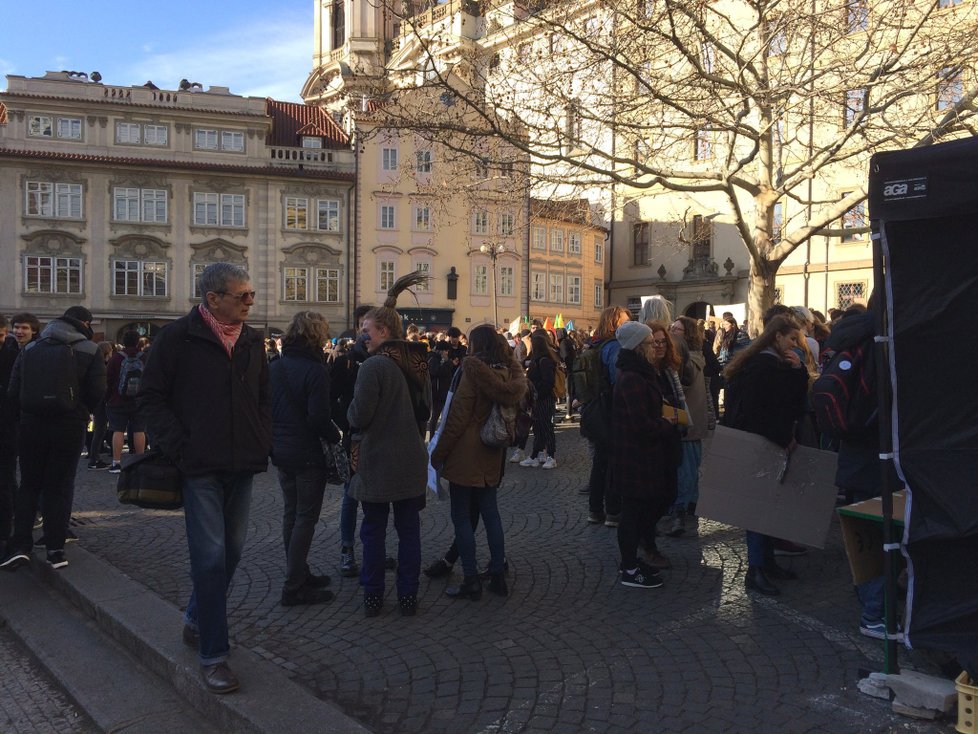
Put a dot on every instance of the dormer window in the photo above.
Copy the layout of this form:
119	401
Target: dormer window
311	141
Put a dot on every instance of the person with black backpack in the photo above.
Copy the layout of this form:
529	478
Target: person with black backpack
124	376
57	382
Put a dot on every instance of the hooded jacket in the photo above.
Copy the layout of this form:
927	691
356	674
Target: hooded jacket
464	459
91	371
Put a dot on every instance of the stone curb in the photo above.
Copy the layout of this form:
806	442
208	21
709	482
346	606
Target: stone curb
150	629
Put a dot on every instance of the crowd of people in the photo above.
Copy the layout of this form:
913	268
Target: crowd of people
220	400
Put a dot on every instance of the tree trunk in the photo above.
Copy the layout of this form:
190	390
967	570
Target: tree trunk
760	293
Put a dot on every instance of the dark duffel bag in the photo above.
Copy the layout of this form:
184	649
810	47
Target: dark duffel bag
150	480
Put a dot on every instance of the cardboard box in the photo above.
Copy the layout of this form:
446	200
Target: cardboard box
740	486
862	532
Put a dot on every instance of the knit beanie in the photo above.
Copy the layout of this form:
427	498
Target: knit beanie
632	333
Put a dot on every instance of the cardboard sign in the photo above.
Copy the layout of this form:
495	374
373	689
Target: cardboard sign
740	486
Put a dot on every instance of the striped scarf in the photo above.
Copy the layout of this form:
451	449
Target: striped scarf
227	334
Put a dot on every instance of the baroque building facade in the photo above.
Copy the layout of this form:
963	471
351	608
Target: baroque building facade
118	197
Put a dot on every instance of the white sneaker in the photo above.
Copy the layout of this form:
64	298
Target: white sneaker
549	463
532	461
517	457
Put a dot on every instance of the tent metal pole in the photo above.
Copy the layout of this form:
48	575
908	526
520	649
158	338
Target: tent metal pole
884	395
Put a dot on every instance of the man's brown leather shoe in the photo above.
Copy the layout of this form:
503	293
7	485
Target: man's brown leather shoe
219	678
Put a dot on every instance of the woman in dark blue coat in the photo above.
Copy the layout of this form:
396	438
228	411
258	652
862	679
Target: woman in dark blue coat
300	420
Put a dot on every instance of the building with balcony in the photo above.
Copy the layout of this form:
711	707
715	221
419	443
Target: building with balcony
118	197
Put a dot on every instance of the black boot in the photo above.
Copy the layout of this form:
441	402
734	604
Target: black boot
757	581
677	524
471	588
497	584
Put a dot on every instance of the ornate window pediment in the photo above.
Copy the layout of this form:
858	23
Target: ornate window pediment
139	247
311	253
53	241
219	250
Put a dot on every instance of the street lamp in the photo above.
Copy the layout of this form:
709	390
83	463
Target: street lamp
493	251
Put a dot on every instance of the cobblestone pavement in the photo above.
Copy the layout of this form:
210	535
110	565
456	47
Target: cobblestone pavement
30	702
569	650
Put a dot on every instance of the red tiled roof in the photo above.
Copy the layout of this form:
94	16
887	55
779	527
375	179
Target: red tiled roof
290	120
576	211
298	172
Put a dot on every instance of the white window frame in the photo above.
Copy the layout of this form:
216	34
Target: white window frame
53	200
574	289
388	216
480	222
556	290
423	267
295	284
423	161
156	135
306	285
598	294
40	126
598	249
422	218
538	285
233	141
139	205
328	213
557	240
312	142
328	278
52	274
854	105
507	224
573	243
139	277
69	128
220	210
853	218
538	239
296	212
507	280
128	133
950	87
388	159
480	279
703	145
206	139
386	274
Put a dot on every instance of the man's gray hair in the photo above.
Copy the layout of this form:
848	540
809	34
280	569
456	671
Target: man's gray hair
656	308
217	277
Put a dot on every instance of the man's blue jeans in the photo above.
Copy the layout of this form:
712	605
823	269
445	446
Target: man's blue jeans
216	513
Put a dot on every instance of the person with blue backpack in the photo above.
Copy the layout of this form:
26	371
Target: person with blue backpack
124	374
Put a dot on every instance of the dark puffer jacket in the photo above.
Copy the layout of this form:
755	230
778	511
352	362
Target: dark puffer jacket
642	463
301	415
207	411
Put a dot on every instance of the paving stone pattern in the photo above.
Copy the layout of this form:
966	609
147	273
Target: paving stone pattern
570	650
30	701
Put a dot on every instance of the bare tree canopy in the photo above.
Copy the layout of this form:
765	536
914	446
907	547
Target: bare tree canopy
746	103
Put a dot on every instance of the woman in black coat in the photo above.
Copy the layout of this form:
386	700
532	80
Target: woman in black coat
644	449
767	386
300	420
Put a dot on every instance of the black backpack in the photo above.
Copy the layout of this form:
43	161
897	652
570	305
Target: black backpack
49	379
844	396
589	375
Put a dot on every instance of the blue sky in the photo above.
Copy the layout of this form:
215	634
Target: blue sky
230	43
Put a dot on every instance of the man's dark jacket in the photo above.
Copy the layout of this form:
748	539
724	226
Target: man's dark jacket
206	411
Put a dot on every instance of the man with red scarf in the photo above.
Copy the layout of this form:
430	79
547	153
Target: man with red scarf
206	399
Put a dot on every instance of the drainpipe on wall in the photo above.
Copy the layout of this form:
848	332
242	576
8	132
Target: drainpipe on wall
353	232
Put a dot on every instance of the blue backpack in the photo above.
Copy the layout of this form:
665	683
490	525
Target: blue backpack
130	375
